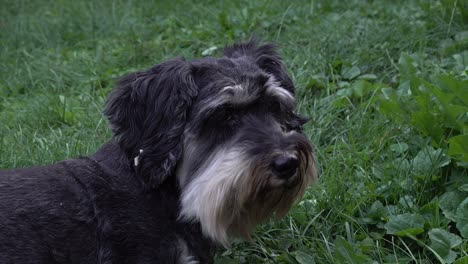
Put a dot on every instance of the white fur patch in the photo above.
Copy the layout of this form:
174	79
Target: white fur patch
274	88
189	151
205	198
185	257
234	88
224	97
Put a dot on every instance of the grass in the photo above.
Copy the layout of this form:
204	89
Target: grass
385	83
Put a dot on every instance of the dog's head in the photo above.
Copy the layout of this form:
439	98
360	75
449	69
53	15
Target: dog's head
225	128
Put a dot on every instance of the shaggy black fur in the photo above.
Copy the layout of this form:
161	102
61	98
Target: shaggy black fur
103	208
91	210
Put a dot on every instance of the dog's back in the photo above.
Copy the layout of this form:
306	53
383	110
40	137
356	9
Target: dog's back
88	210
45	211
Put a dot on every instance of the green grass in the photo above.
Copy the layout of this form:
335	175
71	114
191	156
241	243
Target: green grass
385	83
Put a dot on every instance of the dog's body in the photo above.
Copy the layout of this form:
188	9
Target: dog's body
203	151
93	210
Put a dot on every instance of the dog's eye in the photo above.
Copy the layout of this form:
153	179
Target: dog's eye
220	123
265	61
302	119
298	122
223	116
295	123
274	107
293	127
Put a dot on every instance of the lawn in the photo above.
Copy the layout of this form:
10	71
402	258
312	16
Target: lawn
384	82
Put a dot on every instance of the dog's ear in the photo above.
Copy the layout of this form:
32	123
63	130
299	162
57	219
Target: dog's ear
147	113
266	57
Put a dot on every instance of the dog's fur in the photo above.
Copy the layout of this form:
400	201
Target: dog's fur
202	152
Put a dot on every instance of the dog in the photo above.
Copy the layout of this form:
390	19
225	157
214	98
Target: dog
202	152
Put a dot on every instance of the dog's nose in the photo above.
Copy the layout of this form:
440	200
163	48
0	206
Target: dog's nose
285	166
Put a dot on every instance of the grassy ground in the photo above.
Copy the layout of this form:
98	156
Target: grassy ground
385	83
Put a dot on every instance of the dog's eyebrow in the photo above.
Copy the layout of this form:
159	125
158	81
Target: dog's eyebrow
232	96
274	88
237	83
242	94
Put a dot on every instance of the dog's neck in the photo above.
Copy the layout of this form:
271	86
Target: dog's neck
117	161
119	164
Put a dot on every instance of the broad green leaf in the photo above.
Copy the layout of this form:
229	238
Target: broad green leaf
429	159
404	89
286	257
449	203
430	212
462	260
405	224
389	94
464	188
316	82
460	36
377	211
361	88
366	245
303	258
399	148
344	84
345	92
426	122
461	218
392	109
351	73
347	253
442	242
407	66
389	105
62	99
375	214
457	87
461	61
458	147
407	201
448	107
392	210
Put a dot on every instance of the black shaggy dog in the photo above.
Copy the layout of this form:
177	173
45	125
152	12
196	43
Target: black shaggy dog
203	151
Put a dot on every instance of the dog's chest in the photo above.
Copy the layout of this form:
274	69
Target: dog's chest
185	254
